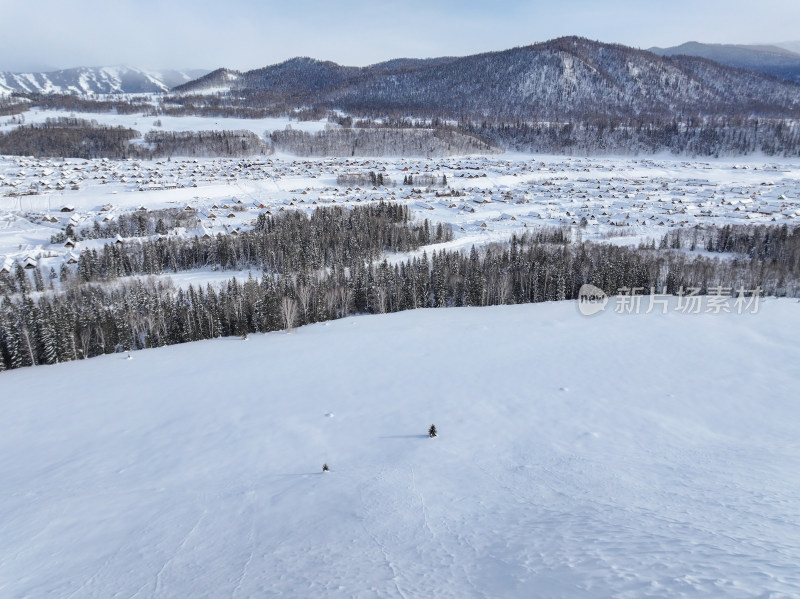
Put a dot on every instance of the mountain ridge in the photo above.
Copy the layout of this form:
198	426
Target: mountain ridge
773	60
97	80
560	78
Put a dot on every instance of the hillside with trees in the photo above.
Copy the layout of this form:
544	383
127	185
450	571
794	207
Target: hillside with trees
564	78
328	265
569	95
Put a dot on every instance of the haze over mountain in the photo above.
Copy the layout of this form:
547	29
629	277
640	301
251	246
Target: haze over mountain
96	80
562	78
791	46
775	60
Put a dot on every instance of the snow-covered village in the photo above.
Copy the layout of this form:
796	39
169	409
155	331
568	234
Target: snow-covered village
451	321
483	199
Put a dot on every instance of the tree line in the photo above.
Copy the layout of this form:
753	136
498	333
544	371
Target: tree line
720	136
380	142
288	242
76	103
76	138
698	136
764	243
89	318
386	131
357	179
81	138
206	143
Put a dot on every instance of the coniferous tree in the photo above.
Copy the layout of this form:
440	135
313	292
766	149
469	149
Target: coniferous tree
22	278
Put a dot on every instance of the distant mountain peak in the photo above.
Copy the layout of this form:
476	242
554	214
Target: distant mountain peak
771	60
96	80
307	60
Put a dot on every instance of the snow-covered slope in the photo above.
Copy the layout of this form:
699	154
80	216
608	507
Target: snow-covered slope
219	80
99	80
612	456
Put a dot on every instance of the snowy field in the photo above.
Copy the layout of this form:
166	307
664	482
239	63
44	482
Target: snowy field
614	456
485	198
144	124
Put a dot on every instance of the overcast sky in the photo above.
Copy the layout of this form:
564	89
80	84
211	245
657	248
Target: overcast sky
245	34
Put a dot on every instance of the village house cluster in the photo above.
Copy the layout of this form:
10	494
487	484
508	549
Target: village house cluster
482	198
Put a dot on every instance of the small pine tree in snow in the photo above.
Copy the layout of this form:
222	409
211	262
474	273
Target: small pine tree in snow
432	431
325	468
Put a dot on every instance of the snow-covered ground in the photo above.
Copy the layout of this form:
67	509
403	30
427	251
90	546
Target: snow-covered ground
610	456
143	124
486	198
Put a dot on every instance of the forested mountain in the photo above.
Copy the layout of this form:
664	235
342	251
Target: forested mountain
770	60
303	76
573	78
99	80
566	78
218	79
568	95
563	79
410	63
